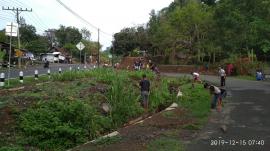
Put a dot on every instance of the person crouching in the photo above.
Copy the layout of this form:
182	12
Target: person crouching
216	92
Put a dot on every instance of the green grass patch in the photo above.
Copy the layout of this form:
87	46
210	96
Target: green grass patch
192	127
13	83
197	101
165	144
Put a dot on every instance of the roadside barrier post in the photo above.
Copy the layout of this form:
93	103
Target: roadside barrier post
60	70
21	76
36	74
70	68
49	73
78	68
2	79
84	67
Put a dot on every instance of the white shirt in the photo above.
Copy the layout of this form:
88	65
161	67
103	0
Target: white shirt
195	74
217	90
222	73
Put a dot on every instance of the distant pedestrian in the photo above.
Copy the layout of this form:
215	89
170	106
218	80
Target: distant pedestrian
136	65
196	78
150	65
140	63
222	75
206	66
47	63
259	75
145	89
229	69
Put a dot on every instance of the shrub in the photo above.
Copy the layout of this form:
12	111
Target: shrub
124	102
159	95
13	148
61	124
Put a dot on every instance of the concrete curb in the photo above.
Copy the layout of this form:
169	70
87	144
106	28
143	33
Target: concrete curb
136	121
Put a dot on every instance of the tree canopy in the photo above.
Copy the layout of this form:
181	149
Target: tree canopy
206	28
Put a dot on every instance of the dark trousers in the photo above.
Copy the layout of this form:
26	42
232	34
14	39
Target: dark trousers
222	81
215	100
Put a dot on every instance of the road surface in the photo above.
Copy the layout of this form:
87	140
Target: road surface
245	117
30	71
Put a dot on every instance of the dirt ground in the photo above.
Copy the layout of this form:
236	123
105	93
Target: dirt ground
137	137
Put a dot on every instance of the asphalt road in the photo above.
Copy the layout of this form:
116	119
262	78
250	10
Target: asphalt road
30	71
245	117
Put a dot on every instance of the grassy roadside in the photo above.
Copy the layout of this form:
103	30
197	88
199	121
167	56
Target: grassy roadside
197	103
67	111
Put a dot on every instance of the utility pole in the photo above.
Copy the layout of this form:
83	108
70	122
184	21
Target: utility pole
98	50
51	36
17	11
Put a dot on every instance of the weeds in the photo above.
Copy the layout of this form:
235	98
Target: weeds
66	113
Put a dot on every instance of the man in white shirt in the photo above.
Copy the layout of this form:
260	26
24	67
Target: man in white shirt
222	75
216	95
196	78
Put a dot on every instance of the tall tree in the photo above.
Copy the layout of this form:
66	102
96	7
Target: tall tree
3	37
28	33
244	25
66	35
125	41
40	45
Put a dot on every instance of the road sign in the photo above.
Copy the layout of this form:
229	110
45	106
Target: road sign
80	46
12	29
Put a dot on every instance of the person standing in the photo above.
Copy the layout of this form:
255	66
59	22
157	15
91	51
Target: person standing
222	75
145	89
46	63
229	69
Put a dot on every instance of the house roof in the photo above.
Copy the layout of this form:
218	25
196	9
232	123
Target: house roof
4	45
57	49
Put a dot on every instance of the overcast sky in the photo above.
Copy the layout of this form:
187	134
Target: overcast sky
108	15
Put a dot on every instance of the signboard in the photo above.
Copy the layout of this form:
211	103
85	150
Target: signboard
12	29
80	46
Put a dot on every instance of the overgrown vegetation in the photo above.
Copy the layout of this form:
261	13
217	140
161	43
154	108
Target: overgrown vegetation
66	110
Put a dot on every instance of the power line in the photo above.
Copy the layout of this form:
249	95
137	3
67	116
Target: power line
33	16
81	18
75	14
